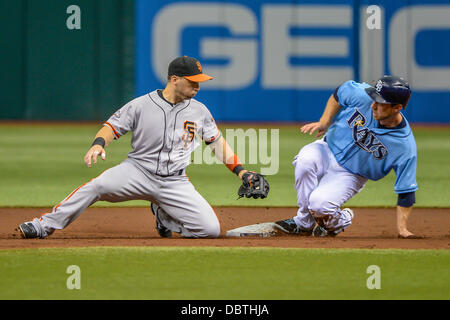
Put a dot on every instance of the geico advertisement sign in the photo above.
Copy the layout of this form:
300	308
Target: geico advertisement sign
260	49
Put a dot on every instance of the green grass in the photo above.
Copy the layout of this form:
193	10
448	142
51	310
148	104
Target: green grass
42	164
223	273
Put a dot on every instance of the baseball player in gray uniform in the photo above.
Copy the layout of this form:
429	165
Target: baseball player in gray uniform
165	125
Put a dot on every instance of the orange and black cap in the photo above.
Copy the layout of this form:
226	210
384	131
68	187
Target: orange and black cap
189	68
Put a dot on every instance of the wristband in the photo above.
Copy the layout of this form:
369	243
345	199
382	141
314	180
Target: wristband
100	141
238	169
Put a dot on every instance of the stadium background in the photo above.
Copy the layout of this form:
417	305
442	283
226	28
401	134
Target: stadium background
272	71
274	68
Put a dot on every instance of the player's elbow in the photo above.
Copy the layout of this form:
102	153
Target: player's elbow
215	144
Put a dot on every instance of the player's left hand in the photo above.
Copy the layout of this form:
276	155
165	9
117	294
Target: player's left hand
254	185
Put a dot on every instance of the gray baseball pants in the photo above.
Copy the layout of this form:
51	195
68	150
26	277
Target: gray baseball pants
184	210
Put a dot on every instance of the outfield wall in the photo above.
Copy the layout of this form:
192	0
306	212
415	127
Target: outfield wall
281	60
273	60
52	72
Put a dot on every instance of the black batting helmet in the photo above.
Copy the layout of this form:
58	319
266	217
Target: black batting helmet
390	89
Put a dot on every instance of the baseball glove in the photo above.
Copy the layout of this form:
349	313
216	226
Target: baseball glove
253	185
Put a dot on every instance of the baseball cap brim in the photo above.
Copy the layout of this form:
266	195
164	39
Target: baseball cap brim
372	92
201	77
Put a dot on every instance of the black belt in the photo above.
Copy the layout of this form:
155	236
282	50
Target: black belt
177	173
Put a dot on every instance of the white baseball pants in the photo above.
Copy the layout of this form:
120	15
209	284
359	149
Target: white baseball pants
322	187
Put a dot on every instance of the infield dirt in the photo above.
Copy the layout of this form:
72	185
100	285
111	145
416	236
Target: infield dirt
371	228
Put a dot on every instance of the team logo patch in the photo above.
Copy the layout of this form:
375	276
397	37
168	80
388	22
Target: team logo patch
199	66
364	138
189	133
379	86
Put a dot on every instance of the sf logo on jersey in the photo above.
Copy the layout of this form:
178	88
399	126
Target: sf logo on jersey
364	138
189	133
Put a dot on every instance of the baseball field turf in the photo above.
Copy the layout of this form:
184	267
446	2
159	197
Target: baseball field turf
42	164
225	273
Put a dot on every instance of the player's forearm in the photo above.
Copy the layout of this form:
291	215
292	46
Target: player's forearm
224	153
403	214
331	109
106	133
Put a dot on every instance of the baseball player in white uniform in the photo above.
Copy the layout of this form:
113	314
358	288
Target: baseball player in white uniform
365	137
165	125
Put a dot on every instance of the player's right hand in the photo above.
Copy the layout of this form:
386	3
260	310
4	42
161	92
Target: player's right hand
93	153
313	127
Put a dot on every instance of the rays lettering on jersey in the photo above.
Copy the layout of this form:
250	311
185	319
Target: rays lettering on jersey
364	138
189	133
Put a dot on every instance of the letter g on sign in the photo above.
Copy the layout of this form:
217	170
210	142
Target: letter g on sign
167	31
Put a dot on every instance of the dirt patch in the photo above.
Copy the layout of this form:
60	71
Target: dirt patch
371	228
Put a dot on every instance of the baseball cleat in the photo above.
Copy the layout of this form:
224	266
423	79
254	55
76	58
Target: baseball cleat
349	211
27	231
320	230
290	227
162	231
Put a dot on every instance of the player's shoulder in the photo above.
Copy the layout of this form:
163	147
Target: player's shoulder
199	106
143	99
138	101
354	86
404	136
351	93
409	135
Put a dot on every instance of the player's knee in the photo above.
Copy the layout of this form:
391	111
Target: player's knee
212	230
320	205
303	165
99	188
304	160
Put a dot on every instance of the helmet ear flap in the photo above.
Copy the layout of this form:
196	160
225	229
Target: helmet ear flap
407	99
405	104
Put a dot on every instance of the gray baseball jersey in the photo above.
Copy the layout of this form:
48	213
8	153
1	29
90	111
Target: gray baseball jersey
164	136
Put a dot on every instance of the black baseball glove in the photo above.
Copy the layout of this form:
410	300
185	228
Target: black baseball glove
253	185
